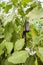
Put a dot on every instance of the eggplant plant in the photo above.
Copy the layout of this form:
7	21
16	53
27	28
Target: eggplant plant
21	33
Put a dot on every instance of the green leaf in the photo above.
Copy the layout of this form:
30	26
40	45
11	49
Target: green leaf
8	30
15	2
1	36
35	14
20	11
36	62
18	57
33	34
9	47
39	5
1	32
7	63
6	45
14	37
28	10
1	50
29	61
40	53
37	40
18	21
2	4
19	44
7	8
25	2
34	4
39	62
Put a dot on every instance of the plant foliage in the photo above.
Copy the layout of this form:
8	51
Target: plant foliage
14	49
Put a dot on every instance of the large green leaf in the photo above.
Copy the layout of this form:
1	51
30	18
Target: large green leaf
19	44
40	53
18	57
